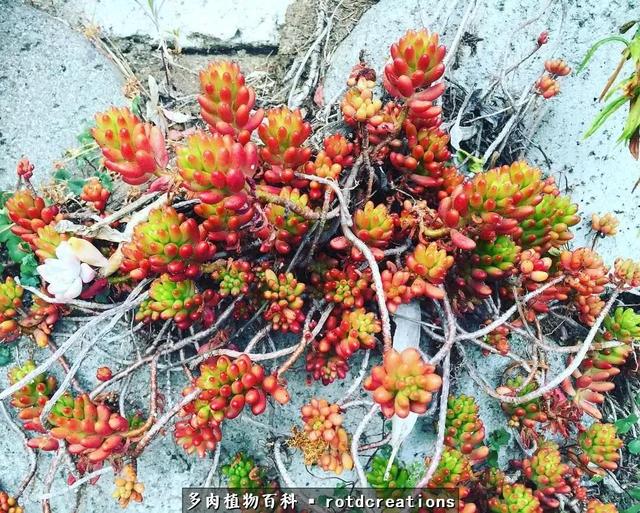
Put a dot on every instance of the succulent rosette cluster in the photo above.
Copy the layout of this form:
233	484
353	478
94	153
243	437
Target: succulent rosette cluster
403	383
464	428
226	387
242	472
131	148
322	439
226	101
166	243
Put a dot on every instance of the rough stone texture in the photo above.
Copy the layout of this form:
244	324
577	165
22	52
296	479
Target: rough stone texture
52	81
598	172
200	24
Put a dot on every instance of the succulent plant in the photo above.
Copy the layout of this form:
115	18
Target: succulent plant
31	398
595	506
226	102
464	429
515	498
283	294
557	67
94	193
398	477
10	302
339	150
373	225
8	504
547	472
388	122
40	320
403	383
243	473
498	339
534	271
495	260
228	385
600	446
323	423
323	167
587	273
195	435
177	300
166	242
29	213
453	470
128	488
416	62
355	330
283	135
430	262
215	168
233	276
494	202
623	325
547	86
326	367
586	277
397	286
359	103
286	228
626	273
90	429
605	225
526	413
223	225
548	226
426	162
587	385
46	240
131	148
347	287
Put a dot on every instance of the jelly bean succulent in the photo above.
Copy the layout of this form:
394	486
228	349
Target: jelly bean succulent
9	504
323	440
226	102
166	243
403	383
131	148
242	472
600	446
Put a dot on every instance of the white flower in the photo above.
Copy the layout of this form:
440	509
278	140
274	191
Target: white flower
66	273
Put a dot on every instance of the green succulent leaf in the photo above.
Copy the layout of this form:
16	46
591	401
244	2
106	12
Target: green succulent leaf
635	492
633	509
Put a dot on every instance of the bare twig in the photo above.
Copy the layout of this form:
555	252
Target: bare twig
355	441
442	418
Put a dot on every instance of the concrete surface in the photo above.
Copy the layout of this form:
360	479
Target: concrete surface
52	82
200	24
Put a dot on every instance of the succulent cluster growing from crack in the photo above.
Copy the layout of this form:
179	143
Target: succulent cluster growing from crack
263	239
